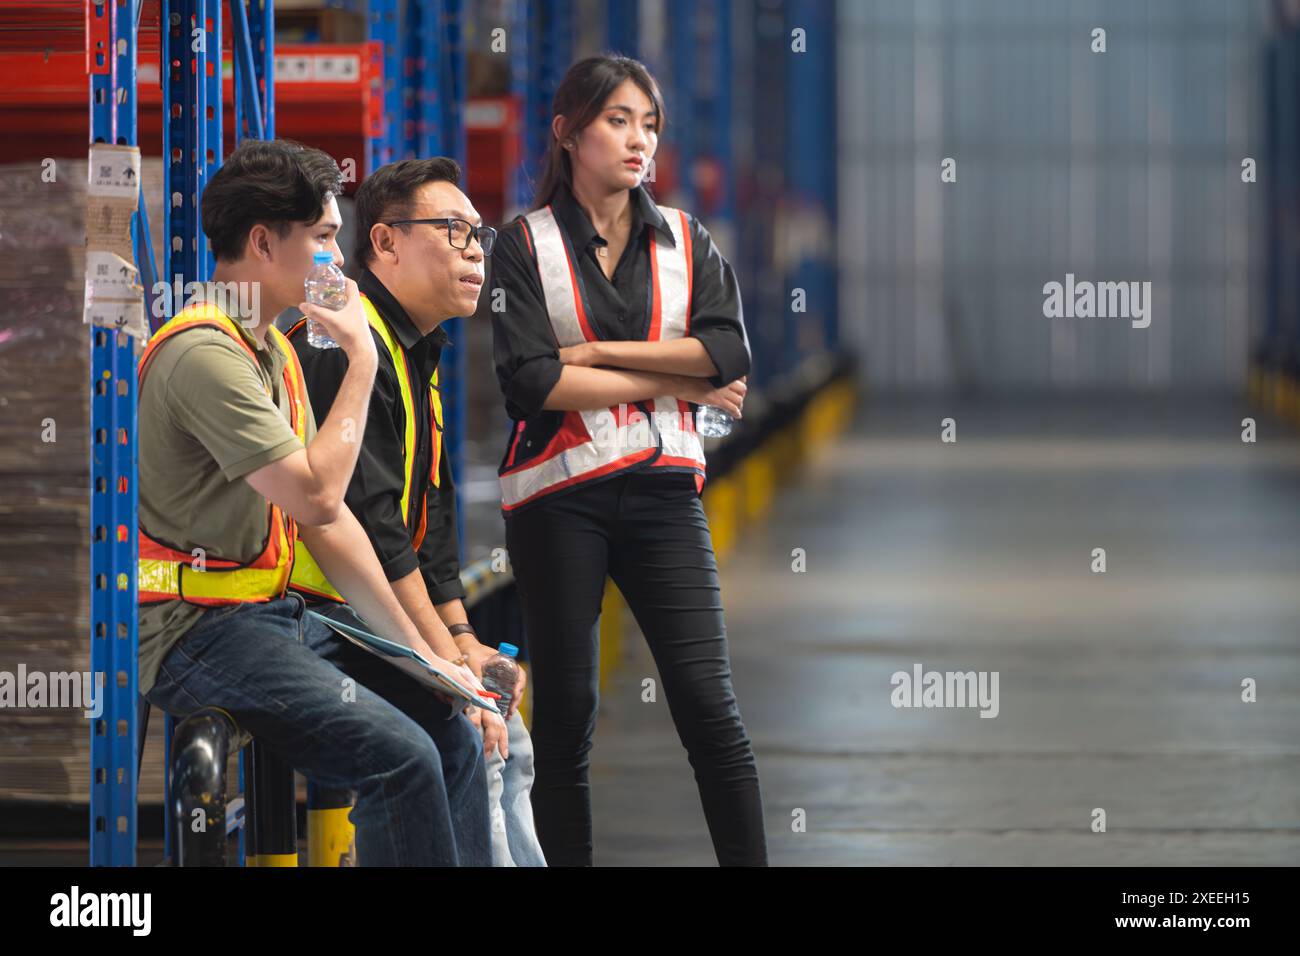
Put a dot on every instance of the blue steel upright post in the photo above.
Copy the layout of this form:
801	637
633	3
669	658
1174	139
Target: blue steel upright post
262	28
252	51
425	88
192	133
721	120
550	46
412	50
210	116
621	26
681	96
810	165
381	25
192	112
453	82
114	499
767	88
537	99
521	47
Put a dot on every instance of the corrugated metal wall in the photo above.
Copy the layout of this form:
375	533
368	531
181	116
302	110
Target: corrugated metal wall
1115	166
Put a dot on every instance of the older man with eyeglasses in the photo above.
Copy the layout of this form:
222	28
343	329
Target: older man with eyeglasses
422	247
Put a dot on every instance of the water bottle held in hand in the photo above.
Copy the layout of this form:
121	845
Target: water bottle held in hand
713	422
327	287
500	674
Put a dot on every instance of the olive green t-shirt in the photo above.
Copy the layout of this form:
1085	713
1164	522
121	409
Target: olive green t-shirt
206	421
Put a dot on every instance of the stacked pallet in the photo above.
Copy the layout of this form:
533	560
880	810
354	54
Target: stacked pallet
44	511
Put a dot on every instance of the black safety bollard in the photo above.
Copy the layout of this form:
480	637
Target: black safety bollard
272	808
200	746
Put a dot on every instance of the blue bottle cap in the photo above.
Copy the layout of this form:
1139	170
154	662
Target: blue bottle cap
509	650
322	258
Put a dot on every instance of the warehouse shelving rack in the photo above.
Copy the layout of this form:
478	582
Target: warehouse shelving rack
190	73
191	77
111	40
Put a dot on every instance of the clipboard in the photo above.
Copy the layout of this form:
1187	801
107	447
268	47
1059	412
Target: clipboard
409	662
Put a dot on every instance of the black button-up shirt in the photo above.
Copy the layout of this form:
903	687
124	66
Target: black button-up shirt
524	347
375	492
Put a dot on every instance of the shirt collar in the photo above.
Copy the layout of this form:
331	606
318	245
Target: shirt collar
578	225
208	294
387	305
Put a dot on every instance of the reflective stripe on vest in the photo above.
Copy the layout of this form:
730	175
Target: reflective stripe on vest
166	573
602	442
671	319
307	574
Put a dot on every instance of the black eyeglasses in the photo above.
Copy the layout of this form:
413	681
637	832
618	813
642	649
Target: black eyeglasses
459	232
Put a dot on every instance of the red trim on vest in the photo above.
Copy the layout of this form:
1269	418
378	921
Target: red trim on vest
514	443
613	466
656	314
571	433
528	239
690	268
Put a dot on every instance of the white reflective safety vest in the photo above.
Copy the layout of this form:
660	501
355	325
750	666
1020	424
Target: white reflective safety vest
603	442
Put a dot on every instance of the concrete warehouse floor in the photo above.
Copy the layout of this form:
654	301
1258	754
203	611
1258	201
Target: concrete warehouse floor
1119	690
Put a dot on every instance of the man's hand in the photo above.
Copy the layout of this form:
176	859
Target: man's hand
493	729
490	725
584	354
730	398
458	671
480	654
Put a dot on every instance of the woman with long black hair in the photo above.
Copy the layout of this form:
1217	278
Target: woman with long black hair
612	319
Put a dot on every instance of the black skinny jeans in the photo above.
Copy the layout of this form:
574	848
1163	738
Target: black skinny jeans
647	530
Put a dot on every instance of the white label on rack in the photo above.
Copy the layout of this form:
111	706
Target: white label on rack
114	172
318	68
114	297
293	69
337	69
485	115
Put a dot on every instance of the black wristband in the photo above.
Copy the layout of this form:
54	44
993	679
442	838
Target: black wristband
458	629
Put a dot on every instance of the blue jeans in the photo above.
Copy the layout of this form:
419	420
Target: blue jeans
416	766
509	782
514	838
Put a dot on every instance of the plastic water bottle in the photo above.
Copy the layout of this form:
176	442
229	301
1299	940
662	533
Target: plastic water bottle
328	288
713	422
500	674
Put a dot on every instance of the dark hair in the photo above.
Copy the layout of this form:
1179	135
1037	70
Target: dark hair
389	193
579	98
273	182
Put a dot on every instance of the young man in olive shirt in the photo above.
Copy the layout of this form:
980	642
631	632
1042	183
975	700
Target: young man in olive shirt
218	461
420	273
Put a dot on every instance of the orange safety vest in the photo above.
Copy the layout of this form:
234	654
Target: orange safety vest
603	442
307	574
167	573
